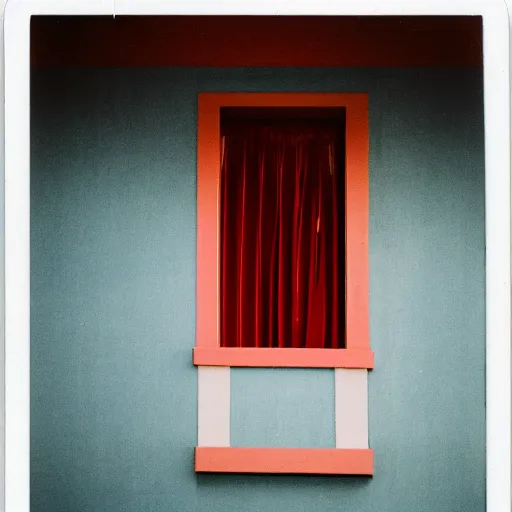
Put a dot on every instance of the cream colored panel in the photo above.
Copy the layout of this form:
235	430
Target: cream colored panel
213	384
351	402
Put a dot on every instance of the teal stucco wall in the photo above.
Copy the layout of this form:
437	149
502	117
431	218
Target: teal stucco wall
113	234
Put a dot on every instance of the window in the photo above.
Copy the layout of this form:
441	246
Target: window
281	228
266	298
226	335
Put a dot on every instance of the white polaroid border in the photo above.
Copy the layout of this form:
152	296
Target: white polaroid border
17	206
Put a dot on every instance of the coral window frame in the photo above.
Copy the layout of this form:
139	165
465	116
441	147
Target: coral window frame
357	352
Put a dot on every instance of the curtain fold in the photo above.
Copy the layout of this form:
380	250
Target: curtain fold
281	219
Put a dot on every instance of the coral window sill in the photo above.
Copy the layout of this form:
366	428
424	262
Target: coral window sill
312	461
284	357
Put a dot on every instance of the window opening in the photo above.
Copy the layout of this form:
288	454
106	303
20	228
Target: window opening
282	243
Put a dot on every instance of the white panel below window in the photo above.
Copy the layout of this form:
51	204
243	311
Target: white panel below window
213	383
351	403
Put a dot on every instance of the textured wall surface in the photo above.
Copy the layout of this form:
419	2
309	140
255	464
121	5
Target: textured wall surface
285	407
114	392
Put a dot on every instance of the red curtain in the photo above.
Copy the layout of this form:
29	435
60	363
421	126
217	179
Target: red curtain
281	215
